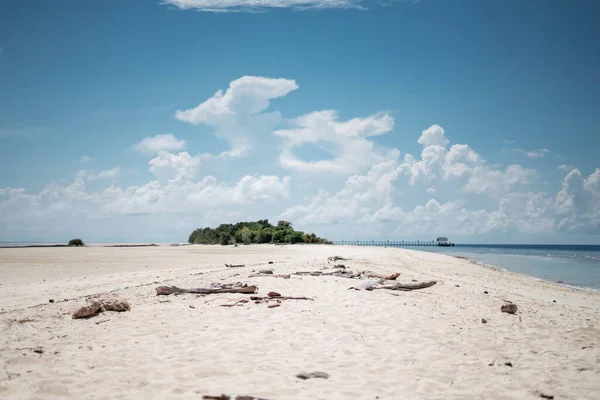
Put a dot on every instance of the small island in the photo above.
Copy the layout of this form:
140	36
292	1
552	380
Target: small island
253	232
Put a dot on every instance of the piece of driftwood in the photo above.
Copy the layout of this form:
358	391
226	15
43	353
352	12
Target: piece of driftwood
284	276
97	306
167	290
316	374
235	265
409	286
344	273
336	258
394	286
226	397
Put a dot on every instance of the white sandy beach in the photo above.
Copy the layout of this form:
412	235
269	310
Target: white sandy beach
381	344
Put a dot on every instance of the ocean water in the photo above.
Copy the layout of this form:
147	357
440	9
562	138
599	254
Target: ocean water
577	265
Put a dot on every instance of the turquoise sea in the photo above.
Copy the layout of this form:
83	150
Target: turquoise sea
577	265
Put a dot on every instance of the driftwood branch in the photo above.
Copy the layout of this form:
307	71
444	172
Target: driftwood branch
284	276
235	265
393	286
399	286
167	290
350	274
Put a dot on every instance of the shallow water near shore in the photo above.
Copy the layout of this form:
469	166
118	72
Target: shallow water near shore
572	264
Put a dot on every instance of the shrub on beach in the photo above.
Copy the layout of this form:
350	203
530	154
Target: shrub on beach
76	242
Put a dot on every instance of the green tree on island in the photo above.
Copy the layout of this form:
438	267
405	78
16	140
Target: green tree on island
253	232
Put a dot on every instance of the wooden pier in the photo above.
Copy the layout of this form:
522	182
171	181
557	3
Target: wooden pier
388	243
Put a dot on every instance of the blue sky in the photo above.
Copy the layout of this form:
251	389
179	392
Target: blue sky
354	119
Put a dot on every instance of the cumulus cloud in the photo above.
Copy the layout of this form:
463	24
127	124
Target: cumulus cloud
158	143
460	162
347	142
174	167
238	114
361	195
367	199
577	205
74	205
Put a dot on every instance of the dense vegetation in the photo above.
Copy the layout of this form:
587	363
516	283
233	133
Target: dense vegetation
253	232
76	242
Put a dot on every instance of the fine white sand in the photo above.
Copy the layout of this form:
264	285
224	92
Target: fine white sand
428	344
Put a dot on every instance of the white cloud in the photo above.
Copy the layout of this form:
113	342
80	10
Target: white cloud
347	142
86	159
577	205
261	5
460	162
237	115
95	176
566	168
71	208
539	153
433	136
158	143
168	166
367	199
361	195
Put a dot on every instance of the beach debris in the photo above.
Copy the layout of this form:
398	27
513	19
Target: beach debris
340	266
38	350
87	311
192	306
265	271
235	265
546	396
491	363
273	299
239	302
316	374
103	321
508	364
96	306
51	301
457	285
215	288
483	321
271	274
509	308
395	286
485	292
226	397
344	273
270	262
336	258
